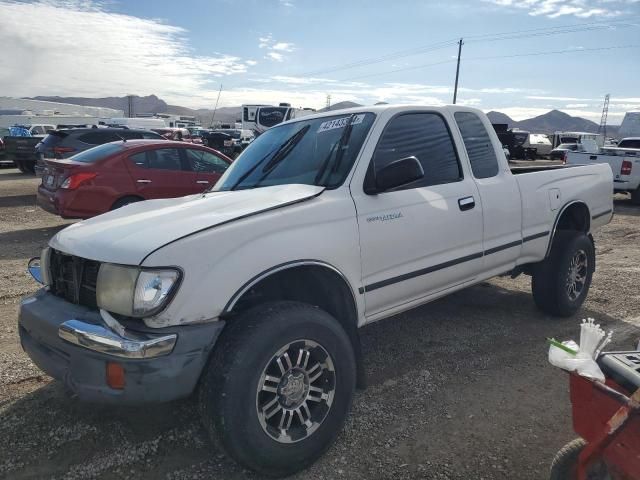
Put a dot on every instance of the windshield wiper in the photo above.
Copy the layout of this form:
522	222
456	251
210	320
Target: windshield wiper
344	138
276	157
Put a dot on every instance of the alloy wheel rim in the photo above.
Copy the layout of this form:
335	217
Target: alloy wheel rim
577	274
295	391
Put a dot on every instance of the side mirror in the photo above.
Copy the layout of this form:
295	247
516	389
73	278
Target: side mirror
397	173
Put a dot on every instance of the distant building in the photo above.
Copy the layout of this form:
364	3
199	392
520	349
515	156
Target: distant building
630	126
24	111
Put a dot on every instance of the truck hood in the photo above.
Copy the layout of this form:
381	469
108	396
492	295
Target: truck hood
127	235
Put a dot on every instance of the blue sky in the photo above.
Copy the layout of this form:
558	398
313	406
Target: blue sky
299	51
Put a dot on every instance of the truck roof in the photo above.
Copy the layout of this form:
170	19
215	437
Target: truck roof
383	108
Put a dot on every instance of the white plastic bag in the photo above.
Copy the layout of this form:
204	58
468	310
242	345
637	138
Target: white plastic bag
581	363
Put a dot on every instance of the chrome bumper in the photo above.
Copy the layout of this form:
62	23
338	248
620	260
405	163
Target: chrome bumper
104	340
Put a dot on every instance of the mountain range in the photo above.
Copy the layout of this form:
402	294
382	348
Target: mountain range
550	122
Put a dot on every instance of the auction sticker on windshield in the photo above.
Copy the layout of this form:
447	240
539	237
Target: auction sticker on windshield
340	122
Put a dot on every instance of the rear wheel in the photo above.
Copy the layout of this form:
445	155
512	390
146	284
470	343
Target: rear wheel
125	201
635	196
565	463
279	386
561	282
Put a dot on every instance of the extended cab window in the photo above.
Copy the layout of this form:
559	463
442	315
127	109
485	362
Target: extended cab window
426	137
482	155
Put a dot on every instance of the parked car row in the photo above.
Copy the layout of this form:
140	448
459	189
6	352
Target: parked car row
114	174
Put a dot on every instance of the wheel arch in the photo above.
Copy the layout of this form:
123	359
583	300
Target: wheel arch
309	281
574	215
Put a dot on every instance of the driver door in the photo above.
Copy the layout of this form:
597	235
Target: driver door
424	237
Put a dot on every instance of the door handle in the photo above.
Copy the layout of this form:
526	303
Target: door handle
466	203
143	181
206	182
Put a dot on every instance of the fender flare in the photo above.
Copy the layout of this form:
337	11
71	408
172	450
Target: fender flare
557	220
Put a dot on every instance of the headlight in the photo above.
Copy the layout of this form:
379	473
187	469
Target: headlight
133	291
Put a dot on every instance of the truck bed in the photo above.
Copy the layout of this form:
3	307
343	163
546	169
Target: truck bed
536	168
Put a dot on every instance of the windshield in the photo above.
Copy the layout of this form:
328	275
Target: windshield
233	133
304	152
568	146
520	137
568	140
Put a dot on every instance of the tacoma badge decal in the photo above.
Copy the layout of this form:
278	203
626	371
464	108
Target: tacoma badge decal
385	218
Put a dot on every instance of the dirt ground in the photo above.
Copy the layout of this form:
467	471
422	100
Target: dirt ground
459	389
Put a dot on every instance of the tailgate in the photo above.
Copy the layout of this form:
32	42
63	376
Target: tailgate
21	146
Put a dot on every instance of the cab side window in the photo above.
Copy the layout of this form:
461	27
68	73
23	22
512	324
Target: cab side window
482	155
426	137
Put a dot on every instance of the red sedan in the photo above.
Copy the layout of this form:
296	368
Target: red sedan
115	174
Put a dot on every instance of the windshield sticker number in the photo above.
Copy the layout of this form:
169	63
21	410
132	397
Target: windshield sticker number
340	123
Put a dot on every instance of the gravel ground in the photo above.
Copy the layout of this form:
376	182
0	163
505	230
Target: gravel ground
459	389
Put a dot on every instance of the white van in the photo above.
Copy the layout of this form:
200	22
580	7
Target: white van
143	123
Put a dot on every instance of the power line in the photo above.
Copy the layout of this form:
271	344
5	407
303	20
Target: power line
493	37
531	54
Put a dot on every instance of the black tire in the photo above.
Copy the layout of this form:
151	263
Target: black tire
20	165
125	201
635	196
29	167
550	279
565	464
230	397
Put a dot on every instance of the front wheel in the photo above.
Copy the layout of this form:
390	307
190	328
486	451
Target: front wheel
561	282
279	386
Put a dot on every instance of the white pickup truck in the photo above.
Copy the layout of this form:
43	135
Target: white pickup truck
624	161
252	294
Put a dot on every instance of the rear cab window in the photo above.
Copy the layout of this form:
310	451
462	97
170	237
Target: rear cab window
477	142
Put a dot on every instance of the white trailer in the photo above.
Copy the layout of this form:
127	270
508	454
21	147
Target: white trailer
259	118
139	122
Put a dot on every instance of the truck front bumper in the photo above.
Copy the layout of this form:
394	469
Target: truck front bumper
72	344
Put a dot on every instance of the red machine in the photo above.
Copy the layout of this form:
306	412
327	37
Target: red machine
607	418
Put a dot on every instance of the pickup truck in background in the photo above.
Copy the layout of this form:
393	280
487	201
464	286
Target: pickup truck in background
252	293
21	148
624	161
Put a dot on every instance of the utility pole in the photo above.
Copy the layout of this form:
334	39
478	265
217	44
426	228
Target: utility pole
130	106
603	119
455	89
216	107
328	101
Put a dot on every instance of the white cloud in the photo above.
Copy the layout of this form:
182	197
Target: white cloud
576	105
283	47
559	8
275	50
79	48
278	57
562	99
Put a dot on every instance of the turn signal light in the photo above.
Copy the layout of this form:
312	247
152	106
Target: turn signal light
74	181
115	375
626	167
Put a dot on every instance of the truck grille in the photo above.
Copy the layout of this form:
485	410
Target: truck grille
74	278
